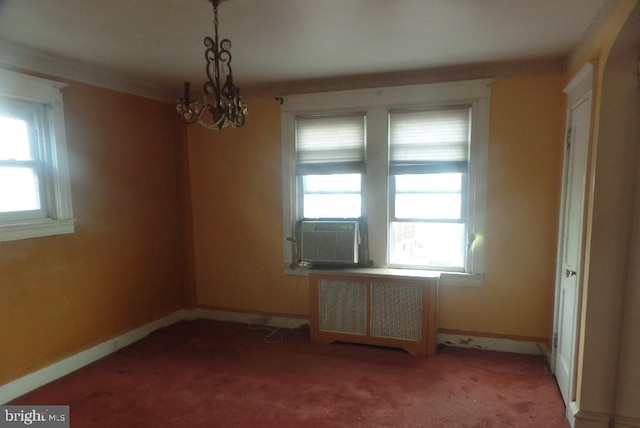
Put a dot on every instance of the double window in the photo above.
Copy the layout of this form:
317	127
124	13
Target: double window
34	183
409	161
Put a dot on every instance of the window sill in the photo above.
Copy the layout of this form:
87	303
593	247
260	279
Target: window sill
460	279
35	229
457	279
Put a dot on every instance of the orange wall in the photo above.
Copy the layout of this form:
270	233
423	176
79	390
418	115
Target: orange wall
236	194
523	195
124	265
237	215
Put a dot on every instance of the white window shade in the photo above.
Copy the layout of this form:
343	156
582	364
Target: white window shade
418	136
330	139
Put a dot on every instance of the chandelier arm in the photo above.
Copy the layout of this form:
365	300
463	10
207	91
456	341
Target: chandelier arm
189	111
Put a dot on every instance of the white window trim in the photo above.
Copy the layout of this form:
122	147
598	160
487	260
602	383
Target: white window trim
377	102
60	220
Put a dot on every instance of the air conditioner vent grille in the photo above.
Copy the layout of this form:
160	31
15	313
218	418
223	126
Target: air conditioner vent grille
330	242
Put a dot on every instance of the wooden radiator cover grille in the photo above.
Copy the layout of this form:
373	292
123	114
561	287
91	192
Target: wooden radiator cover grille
343	306
385	310
396	311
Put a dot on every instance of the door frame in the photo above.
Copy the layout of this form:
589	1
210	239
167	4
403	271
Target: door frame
579	90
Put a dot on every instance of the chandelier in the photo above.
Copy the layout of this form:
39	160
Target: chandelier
221	105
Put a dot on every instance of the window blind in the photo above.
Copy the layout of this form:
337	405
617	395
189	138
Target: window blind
328	144
429	140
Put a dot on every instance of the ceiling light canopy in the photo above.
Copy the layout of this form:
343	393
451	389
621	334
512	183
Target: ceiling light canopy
221	105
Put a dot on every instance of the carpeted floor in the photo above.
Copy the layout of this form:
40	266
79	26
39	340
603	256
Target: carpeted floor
213	374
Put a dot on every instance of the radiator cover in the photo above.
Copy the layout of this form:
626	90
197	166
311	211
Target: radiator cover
343	306
374	309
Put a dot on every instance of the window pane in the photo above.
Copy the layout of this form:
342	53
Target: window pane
429	182
436	206
429	245
14	139
332	205
332	196
18	189
428	196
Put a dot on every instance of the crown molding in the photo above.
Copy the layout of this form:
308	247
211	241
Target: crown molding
557	65
605	11
21	58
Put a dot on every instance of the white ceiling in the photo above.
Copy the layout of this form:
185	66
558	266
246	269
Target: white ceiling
277	41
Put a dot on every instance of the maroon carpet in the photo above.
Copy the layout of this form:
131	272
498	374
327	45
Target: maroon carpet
214	374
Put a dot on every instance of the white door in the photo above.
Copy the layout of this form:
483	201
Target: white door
570	245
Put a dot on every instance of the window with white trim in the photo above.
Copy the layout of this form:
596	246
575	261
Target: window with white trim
330	165
35	198
410	161
428	187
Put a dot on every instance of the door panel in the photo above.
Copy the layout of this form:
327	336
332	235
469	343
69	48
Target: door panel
571	246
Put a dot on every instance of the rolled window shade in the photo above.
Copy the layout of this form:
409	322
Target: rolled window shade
440	135
330	139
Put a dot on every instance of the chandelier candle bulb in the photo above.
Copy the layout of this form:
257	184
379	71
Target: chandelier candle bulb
186	92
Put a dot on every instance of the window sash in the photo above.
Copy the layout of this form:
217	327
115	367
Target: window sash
429	142
463	194
32	114
343	206
330	145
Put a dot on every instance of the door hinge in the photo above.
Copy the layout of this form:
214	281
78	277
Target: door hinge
555	340
568	141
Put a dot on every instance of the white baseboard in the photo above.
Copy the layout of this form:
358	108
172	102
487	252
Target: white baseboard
61	368
491	344
626	422
585	419
244	318
570	413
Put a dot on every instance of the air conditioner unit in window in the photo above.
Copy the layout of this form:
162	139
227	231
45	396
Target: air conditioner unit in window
328	242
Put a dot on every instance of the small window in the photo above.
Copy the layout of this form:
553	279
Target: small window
428	165
34	183
21	169
330	165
